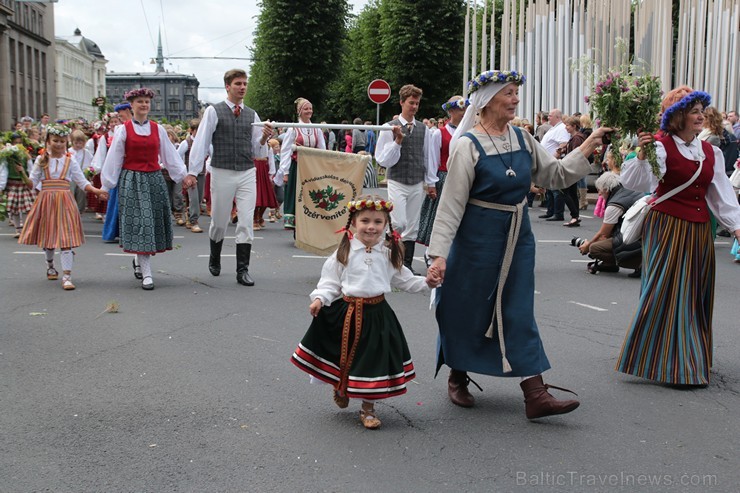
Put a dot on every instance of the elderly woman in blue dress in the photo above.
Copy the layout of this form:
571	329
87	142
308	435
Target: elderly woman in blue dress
483	247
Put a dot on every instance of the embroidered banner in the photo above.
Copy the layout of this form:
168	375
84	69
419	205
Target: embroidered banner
327	180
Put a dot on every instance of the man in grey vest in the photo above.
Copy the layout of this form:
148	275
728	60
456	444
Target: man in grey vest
407	154
227	126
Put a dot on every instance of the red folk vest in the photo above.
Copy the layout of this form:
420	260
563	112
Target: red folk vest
689	204
142	151
444	152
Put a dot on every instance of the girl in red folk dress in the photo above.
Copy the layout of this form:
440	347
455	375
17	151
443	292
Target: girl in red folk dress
54	221
355	341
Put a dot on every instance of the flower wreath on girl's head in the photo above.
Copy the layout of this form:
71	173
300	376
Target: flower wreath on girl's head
461	103
59	130
375	205
686	103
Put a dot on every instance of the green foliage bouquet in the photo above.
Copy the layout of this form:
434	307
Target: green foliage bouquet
13	155
642	100
606	100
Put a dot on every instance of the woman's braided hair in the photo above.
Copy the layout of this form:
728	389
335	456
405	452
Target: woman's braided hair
371	202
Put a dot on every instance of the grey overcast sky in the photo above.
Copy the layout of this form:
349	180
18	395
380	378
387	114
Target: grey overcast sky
126	32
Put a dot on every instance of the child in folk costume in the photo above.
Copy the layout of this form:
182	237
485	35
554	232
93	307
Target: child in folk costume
54	222
18	187
82	158
355	341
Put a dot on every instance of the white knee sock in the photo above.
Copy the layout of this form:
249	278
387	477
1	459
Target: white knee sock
16	218
146	267
67	260
49	255
531	376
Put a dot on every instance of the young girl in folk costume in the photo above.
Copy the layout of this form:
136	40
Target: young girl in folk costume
18	187
132	164
82	158
309	137
54	222
355	341
277	182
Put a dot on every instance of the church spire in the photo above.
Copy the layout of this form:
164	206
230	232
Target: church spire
160	56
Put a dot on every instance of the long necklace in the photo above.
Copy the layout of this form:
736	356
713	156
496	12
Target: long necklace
507	147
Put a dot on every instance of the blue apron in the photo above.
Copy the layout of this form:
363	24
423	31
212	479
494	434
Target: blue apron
466	299
110	226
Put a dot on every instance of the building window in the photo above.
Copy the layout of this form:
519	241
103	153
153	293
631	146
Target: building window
174	106
21	64
174	91
188	105
43	66
12	55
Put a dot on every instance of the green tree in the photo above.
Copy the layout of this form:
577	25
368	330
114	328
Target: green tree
416	42
296	51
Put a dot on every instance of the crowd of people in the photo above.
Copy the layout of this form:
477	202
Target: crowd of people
460	186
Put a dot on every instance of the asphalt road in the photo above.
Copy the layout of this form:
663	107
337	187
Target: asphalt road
188	388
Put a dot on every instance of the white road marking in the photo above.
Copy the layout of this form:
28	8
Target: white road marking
589	306
553	241
120	254
31	253
223	255
581	261
308	256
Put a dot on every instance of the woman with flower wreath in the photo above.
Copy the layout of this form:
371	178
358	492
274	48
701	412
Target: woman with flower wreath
132	164
670	337
483	247
54	222
355	341
288	171
455	108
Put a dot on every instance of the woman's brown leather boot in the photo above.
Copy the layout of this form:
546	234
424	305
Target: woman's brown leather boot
457	389
539	403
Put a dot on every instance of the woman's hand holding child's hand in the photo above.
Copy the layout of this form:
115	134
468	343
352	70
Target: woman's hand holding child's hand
315	307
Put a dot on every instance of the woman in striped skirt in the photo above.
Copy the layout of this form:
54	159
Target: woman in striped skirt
132	164
670	338
54	221
455	108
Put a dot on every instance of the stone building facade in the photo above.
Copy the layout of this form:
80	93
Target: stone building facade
80	76
27	61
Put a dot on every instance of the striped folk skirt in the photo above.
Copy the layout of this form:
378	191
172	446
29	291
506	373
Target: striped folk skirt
20	197
265	189
144	217
382	364
670	338
371	177
429	211
54	221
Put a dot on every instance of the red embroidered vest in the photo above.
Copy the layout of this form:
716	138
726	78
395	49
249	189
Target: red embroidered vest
689	204
142	151
444	152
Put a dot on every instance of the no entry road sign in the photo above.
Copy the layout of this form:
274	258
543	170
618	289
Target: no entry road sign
379	91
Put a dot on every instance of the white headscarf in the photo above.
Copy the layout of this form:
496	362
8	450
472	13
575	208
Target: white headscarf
478	100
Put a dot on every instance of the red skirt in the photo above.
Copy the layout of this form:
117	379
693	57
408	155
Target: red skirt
99	206
265	190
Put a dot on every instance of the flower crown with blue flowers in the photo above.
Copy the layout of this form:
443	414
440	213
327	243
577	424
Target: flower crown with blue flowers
461	103
496	76
685	103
